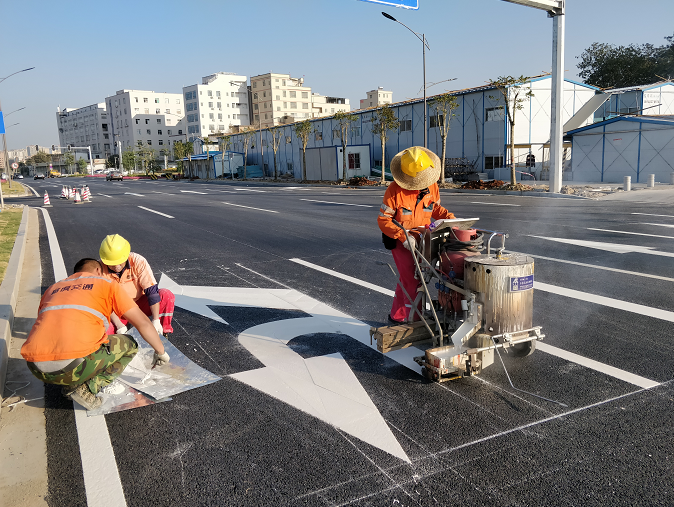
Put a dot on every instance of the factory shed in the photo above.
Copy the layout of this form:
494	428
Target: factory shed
633	146
652	99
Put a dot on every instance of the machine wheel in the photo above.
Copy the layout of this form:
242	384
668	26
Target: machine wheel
523	349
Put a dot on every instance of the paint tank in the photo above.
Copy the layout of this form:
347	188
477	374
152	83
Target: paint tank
504	287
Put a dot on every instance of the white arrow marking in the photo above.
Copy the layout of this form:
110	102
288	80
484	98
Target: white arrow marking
324	387
628	232
609	247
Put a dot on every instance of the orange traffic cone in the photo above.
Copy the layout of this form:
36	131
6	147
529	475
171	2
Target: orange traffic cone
78	199
86	194
46	204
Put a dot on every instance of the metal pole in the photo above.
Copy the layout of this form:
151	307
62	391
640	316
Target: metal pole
557	100
91	161
5	159
119	153
423	43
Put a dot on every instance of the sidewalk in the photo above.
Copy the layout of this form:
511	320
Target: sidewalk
23	450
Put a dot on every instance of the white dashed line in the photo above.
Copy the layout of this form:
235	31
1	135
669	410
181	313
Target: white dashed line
131	193
249	207
653	215
631	233
104	195
495	204
194	192
157	212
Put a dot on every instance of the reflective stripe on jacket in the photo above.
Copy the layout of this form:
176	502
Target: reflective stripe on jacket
402	205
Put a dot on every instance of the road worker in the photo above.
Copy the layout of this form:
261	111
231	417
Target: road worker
68	344
412	199
135	276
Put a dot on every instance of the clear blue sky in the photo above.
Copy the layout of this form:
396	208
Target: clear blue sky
85	51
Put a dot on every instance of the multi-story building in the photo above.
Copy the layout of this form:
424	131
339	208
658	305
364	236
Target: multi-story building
376	98
216	105
141	117
85	126
327	106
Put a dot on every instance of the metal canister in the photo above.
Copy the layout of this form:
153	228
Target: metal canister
505	288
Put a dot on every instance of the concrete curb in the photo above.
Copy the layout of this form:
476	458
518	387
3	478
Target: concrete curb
521	193
9	291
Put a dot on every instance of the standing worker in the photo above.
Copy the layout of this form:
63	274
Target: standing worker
412	200
68	345
135	276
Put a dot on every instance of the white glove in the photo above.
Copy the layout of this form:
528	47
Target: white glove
160	359
410	243
157	325
122	330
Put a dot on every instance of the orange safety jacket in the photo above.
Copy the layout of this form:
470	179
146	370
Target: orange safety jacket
72	318
136	277
403	206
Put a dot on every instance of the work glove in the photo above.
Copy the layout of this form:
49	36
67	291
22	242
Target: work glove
160	359
410	243
157	325
122	330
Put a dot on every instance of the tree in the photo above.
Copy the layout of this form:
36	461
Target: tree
344	120
81	165
128	158
303	130
610	66
180	151
40	158
145	155
248	137
112	161
384	119
69	159
514	96
444	106
276	136
225	144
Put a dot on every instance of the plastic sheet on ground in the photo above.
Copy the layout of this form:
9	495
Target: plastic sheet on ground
145	385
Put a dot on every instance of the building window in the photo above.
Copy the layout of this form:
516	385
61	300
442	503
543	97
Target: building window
157	111
493	162
278	108
289	139
284	93
305	95
494	114
179	112
219	105
166	101
293	105
105	136
137	121
210	104
305	105
221	128
149	132
147	121
354	160
405	125
138	131
177	101
180	132
255	107
161	142
209	93
149	142
145	99
167	111
136	110
219	116
158	132
147	111
436	121
168	132
254	84
211	128
319	136
211	116
156	101
257	117
158	121
217	93
136	99
293	95
336	134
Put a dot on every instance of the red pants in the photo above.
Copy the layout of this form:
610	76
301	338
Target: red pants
166	306
406	269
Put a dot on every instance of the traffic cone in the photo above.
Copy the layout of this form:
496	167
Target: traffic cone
63	192
71	194
46	204
86	195
78	199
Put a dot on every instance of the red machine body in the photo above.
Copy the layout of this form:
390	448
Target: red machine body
452	258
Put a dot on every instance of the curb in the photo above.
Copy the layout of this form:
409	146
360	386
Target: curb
521	193
9	291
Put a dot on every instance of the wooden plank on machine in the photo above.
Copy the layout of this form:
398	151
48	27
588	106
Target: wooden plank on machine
399	336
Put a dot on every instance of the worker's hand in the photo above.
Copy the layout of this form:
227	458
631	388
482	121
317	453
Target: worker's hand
160	359
157	325
410	243
122	330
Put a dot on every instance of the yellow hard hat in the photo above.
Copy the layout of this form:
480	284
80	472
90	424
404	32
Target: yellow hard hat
414	160
114	250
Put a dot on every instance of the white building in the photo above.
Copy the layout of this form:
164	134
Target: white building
145	117
376	98
217	104
652	99
327	106
85	126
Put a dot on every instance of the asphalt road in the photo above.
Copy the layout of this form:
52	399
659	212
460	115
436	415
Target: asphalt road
476	441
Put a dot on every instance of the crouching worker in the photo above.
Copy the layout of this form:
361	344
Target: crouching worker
135	276
68	344
413	199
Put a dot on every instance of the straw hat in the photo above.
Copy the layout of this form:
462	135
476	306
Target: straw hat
415	168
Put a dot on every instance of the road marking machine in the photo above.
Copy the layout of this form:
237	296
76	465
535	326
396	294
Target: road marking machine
482	302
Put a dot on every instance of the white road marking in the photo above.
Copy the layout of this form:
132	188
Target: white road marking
101	477
249	207
119	185
157	212
248	189
104	195
653	215
131	193
608	247
659	225
341	203
631	233
165	193
613	303
494	203
33	190
194	192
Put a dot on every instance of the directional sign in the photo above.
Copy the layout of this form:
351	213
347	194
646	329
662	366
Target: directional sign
405	4
324	387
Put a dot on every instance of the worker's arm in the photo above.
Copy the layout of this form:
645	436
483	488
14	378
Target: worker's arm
439	212
116	322
387	212
153	299
140	321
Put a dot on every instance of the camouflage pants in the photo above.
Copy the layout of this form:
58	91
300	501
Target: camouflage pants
98	369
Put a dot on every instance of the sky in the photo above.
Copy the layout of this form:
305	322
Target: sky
85	51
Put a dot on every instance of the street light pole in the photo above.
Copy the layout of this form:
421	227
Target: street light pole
425	46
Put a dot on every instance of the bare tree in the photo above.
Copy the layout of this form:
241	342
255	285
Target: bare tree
225	144
444	106
344	120
248	136
383	121
303	130
276	136
514	95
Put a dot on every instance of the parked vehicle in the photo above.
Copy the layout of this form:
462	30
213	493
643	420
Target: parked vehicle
38	176
114	175
18	176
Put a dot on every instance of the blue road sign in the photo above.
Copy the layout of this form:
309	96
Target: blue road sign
2	124
405	4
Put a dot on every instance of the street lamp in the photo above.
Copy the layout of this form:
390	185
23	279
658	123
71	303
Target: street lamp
425	46
555	10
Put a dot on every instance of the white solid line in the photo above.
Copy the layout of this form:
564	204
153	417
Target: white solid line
618	304
105	195
597	366
631	233
101	477
157	212
248	189
264	276
194	192
31	188
659	225
249	207
131	193
165	193
348	278
341	203
653	215
495	203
